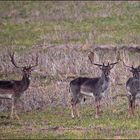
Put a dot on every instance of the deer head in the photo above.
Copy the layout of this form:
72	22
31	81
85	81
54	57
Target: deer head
134	70
105	68
26	69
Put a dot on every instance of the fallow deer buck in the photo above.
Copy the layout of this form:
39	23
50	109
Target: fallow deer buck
94	87
13	89
133	87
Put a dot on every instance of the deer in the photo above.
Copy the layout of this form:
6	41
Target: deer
93	87
133	87
13	89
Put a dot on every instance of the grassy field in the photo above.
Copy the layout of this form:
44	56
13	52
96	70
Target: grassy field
24	24
56	122
45	23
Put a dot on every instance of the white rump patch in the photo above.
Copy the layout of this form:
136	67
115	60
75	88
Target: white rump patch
9	96
103	94
87	93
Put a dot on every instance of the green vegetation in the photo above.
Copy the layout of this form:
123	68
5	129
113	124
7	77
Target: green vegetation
42	23
56	122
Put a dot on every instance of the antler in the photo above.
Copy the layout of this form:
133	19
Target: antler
98	64
126	65
91	57
12	59
114	63
36	62
14	63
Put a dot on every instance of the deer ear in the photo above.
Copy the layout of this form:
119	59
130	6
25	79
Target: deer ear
131	70
111	66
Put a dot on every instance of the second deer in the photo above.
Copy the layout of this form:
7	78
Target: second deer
94	87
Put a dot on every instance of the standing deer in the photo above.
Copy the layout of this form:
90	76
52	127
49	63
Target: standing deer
94	87
133	87
13	89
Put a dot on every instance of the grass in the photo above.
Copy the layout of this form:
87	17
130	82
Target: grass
24	24
56	122
42	23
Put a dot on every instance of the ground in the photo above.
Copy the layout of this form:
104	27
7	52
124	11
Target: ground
56	122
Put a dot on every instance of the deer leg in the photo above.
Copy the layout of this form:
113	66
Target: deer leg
77	110
99	106
16	110
73	107
12	109
133	106
16	115
130	107
72	111
97	109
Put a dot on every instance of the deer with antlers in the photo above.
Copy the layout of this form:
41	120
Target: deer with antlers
13	89
133	87
94	87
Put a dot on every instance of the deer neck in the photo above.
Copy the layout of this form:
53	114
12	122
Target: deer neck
104	78
137	76
25	81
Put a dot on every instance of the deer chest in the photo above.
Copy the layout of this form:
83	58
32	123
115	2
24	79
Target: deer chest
104	86
133	85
